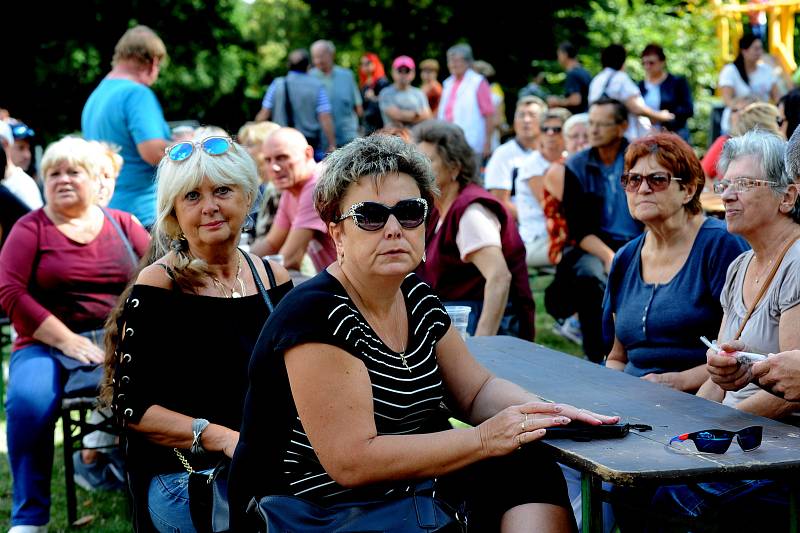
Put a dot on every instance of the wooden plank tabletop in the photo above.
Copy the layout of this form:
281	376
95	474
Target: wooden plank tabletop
639	458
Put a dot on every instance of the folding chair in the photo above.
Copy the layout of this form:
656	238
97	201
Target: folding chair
75	426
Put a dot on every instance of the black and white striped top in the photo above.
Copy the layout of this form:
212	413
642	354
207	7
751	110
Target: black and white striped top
406	399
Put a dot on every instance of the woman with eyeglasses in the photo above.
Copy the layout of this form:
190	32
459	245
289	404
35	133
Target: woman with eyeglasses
664	286
348	377
663	90
180	339
61	270
475	255
760	314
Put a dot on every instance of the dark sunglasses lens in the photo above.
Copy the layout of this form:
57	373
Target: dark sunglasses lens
631	182
216	145
658	182
750	438
181	151
371	216
552	129
713	441
410	213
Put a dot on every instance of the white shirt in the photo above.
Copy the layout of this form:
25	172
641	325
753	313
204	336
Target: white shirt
499	172
532	223
24	188
478	228
760	86
652	95
618	85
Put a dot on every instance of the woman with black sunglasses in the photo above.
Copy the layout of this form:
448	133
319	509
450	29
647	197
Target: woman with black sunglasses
180	339
349	375
476	256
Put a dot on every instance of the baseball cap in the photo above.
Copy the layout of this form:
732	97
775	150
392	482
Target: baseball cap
5	133
403	61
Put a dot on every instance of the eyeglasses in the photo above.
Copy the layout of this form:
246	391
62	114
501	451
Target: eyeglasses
210	145
719	440
372	216
657	181
740	185
555	130
649	62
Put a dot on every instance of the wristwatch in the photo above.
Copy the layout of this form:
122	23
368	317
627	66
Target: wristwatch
198	426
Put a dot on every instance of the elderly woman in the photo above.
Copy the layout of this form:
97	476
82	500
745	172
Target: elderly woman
761	314
664	286
179	392
530	187
475	256
252	136
61	270
348	376
760	205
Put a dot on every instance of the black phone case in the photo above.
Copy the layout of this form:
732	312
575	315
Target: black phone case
584	432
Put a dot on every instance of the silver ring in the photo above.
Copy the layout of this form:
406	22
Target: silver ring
526	420
519	442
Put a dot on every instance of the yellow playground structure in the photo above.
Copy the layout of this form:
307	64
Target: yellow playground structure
780	28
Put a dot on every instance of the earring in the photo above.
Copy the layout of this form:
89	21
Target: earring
424	256
249	224
340	259
179	243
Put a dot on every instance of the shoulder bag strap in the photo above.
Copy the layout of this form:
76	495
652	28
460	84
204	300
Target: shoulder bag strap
288	103
257	279
608	82
124	238
764	287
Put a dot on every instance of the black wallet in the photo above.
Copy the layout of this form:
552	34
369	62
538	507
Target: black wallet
581	431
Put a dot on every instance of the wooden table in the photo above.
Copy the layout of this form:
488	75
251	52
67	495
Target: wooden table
641	458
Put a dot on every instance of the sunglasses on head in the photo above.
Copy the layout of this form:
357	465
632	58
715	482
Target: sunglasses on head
210	145
657	181
719	440
372	216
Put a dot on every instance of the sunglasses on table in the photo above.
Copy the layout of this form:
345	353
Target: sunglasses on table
719	440
211	145
657	181
740	185
372	216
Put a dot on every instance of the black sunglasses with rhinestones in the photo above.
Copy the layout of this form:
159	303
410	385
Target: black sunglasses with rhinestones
657	181
372	216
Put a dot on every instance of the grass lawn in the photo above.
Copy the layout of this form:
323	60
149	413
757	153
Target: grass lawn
110	510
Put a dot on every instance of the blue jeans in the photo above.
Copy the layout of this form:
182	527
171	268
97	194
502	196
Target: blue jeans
34	396
168	502
35	387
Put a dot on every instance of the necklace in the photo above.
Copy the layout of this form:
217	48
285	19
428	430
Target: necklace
401	353
757	280
233	292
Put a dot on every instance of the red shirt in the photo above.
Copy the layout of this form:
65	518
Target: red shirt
43	273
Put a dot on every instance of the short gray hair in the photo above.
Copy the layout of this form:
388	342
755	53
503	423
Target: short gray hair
769	150
328	45
574	120
375	156
463	50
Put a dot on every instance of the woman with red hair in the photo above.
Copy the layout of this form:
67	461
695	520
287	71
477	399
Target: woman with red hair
664	286
372	80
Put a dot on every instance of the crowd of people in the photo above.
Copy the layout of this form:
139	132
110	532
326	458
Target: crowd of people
166	261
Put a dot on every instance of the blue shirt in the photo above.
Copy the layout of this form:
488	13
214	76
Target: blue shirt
126	113
660	325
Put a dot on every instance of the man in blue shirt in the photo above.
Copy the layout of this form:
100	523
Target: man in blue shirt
598	223
124	111
342	91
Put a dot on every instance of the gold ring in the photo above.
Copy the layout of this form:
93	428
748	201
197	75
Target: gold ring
519	442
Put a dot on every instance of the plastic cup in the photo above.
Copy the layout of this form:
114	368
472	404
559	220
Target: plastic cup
459	316
276	258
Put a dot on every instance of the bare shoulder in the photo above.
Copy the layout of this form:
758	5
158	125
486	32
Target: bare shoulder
281	274
155	275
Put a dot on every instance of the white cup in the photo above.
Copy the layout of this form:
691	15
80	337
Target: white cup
459	316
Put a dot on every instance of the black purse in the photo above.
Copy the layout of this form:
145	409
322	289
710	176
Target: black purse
208	498
416	511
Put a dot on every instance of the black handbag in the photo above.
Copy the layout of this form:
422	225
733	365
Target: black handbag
416	511
208	497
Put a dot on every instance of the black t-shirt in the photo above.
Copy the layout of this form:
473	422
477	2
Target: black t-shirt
578	80
187	353
274	455
11	210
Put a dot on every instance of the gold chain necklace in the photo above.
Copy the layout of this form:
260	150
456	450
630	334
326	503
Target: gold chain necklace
233	292
766	268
